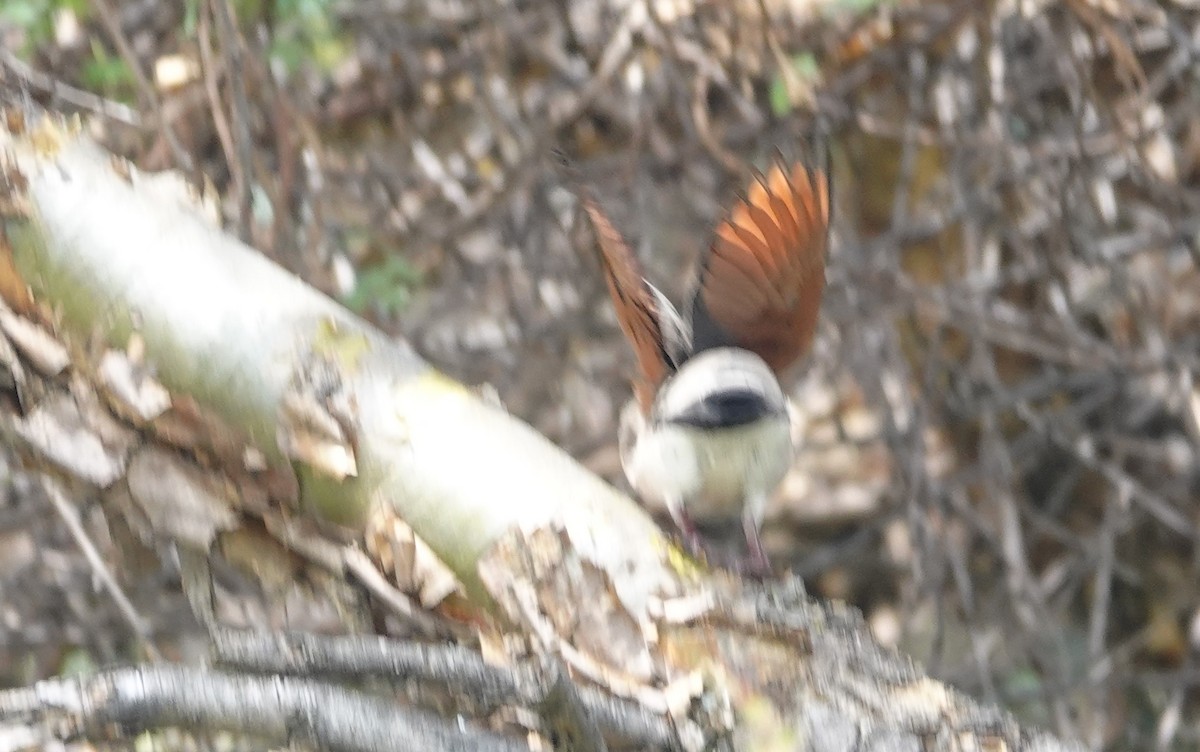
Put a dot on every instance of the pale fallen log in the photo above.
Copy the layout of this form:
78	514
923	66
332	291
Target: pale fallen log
197	385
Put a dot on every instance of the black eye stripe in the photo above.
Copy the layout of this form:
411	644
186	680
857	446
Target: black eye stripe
725	409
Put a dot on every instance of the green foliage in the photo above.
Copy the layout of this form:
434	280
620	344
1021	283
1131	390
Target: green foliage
30	16
102	71
76	662
307	33
36	18
805	68
857	6
108	74
191	18
387	286
303	31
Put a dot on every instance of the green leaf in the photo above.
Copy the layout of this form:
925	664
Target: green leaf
307	32
34	17
22	14
76	662
803	67
781	101
107	74
191	18
388	286
858	6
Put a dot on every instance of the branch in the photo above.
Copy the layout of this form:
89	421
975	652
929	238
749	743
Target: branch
279	709
447	665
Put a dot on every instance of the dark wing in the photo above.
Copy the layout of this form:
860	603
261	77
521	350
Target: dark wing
650	324
761	282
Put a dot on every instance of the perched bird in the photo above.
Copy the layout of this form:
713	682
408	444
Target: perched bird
708	431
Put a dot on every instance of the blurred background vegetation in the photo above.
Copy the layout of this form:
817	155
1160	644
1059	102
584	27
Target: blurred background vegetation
1001	411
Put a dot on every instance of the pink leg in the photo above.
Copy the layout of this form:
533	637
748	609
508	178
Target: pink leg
757	563
691	536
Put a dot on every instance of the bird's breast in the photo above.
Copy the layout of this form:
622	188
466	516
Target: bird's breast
712	471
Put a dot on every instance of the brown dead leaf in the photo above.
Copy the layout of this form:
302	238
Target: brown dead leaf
412	565
13	289
317	420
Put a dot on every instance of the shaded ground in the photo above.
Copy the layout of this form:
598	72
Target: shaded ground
1003	427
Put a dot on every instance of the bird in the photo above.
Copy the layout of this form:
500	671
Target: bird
707	432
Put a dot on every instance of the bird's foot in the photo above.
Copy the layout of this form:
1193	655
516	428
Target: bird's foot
756	564
692	540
